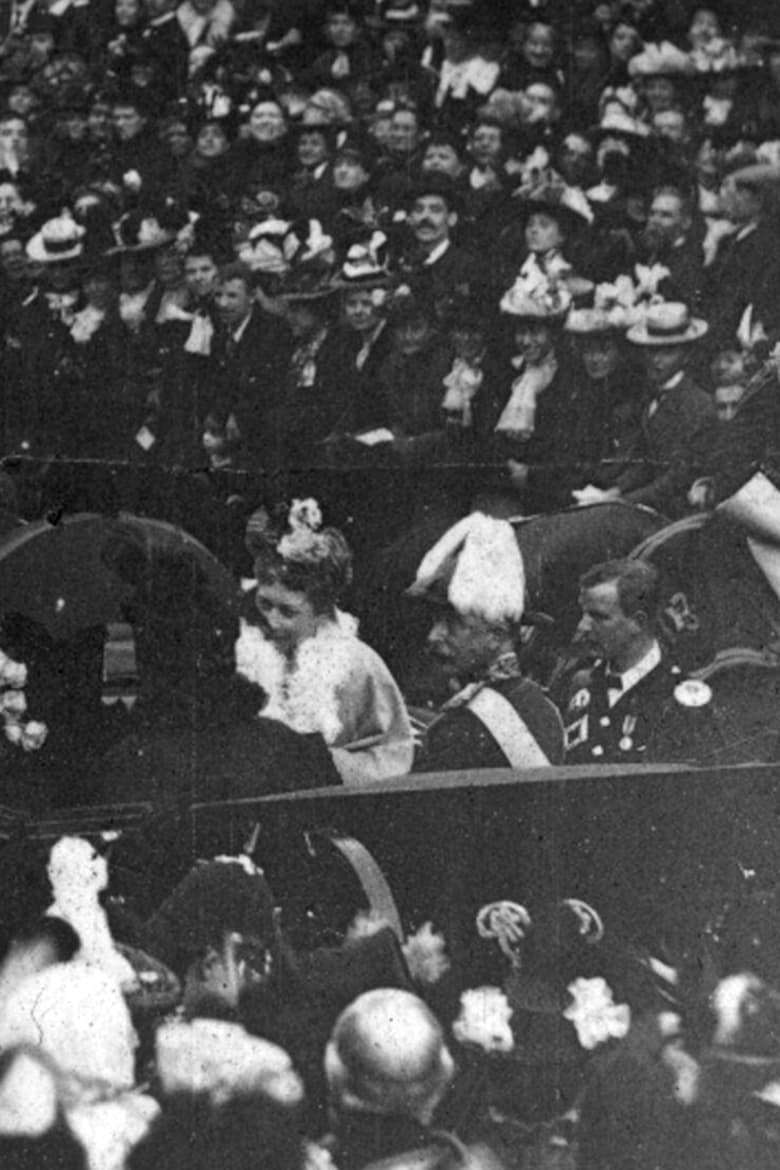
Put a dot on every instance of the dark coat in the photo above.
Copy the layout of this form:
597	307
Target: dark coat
745	271
598	733
673	438
460	738
249	382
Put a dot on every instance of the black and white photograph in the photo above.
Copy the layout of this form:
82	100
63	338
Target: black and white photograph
389	585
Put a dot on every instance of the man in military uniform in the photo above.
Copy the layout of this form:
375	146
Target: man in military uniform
498	719
613	708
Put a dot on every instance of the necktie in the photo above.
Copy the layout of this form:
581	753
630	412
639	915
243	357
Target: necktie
614	682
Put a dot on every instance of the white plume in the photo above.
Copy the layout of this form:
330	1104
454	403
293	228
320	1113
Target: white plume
488	578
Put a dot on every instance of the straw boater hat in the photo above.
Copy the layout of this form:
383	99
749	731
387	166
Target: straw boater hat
59	239
669	323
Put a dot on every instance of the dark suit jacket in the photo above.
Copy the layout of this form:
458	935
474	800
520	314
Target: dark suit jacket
745	272
249	382
673	439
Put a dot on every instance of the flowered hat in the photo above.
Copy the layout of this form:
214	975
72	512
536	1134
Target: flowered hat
137	231
59	239
565	204
547	302
661	60
308	276
365	264
269	247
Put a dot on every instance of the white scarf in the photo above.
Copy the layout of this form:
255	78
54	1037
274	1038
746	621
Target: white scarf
519	415
303	694
462	382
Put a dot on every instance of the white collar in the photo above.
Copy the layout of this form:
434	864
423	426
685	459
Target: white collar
437	252
675	380
745	231
237	334
636	673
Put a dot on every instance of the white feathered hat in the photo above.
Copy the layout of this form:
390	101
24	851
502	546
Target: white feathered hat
477	568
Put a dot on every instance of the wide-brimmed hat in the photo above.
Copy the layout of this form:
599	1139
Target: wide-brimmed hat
140	232
566	204
661	60
669	323
548	303
308	277
59	239
584	323
365	264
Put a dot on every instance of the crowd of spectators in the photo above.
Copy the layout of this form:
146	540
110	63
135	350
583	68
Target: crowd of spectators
199	1035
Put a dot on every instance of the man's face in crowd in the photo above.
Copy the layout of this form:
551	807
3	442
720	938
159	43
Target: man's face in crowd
359	310
200	274
127	13
136	272
212	141
542	233
22	101
543	104
9	199
463	645
404	132
99	121
128	122
668	221
176	137
703	27
75	126
660	93
100	291
739	203
412	336
340	30
61	276
431	220
442	159
671	125
14	136
13	260
600	356
349	174
539	46
312	149
662	362
603	625
168	267
487	145
234	301
576	155
623	41
266	122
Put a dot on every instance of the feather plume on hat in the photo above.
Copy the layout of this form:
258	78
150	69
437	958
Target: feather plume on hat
479	565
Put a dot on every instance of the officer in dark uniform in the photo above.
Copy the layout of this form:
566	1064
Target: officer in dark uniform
614	710
474	576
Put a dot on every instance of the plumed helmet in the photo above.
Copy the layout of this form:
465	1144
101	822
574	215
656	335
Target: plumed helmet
387	1055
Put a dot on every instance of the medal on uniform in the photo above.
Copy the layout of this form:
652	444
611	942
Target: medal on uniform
629	726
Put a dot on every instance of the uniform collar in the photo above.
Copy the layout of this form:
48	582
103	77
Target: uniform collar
636	673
